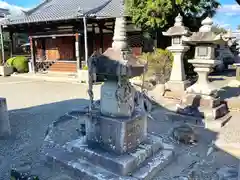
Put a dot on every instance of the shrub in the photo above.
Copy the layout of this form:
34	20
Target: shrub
159	65
85	67
10	62
19	63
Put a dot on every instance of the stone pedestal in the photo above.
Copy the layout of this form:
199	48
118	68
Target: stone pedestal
95	163
202	98
203	86
118	135
178	82
5	129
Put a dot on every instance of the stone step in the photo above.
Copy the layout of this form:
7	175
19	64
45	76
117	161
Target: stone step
152	166
122	164
83	169
80	168
215	113
204	112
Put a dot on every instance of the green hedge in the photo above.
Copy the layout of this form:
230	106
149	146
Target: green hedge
19	63
159	64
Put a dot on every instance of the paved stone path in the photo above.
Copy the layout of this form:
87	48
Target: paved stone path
34	104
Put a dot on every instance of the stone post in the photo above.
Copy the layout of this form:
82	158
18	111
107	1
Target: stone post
77	51
5	129
202	97
177	82
33	55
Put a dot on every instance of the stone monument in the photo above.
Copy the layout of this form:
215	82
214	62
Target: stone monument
202	97
117	144
5	129
178	82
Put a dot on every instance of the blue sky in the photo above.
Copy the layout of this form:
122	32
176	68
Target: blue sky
228	15
23	3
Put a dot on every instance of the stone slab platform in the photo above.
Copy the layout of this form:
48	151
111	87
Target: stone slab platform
121	164
87	163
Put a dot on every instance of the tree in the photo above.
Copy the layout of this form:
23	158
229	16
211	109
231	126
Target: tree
238	27
218	29
160	14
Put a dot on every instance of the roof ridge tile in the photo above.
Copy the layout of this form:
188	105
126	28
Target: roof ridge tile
37	7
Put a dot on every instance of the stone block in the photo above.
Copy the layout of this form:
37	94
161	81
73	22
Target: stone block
76	159
155	164
205	112
78	167
5	129
119	164
6	71
118	135
196	100
177	86
215	113
111	96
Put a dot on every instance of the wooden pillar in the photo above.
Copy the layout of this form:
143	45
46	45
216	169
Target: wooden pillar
43	45
77	51
33	54
2	44
85	38
101	37
93	37
11	44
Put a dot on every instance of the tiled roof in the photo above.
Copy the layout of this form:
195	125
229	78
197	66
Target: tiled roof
115	8
4	12
53	10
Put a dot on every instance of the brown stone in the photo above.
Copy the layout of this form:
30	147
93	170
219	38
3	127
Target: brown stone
173	95
201	101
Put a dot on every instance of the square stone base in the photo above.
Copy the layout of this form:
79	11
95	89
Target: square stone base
196	100
215	113
96	163
177	86
118	135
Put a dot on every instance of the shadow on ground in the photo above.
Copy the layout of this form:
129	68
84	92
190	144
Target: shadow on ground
28	129
228	92
29	126
227	73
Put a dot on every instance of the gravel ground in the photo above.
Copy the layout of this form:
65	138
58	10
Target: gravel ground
34	104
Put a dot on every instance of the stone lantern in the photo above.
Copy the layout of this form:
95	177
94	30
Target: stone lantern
203	96
178	80
116	144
